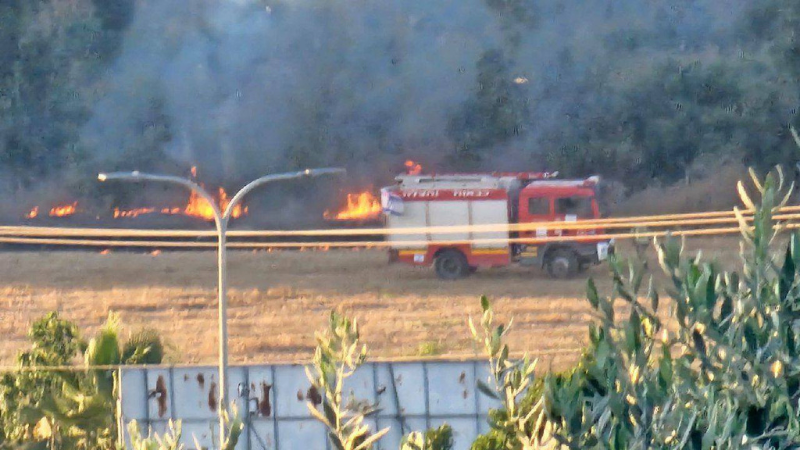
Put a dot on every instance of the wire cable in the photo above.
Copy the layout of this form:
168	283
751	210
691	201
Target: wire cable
378	244
654	222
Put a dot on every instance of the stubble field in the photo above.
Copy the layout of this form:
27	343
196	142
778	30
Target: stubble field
278	300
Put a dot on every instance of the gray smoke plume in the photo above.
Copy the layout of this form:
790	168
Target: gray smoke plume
250	87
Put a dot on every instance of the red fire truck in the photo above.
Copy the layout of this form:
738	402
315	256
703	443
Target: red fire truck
461	222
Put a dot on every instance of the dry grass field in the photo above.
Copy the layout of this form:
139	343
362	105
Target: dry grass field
278	300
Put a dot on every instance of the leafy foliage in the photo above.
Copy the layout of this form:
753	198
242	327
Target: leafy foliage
719	378
54	342
143	347
669	115
172	439
434	439
520	428
235	427
649	90
50	55
55	407
494	115
169	441
338	354
500	438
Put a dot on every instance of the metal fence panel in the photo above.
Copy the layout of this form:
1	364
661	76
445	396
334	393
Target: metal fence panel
451	390
292	392
402	383
272	400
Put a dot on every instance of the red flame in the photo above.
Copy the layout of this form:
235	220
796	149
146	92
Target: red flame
199	207
360	206
413	168
131	212
64	210
196	206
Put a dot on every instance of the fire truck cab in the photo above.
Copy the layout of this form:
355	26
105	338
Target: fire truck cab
461	222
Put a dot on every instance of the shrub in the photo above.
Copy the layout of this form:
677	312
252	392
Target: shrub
70	409
143	347
509	381
54	342
431	348
169	441
338	355
724	377
434	439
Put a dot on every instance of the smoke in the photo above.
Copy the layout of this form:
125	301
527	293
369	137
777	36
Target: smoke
248	87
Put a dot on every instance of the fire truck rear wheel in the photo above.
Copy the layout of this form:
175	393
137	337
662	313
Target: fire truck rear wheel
451	265
562	264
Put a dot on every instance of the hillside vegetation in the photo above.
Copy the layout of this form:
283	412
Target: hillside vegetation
643	93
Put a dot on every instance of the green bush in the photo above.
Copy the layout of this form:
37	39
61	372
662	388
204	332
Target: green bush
725	376
439	438
517	427
434	439
338	354
500	439
171	440
168	441
55	407
143	347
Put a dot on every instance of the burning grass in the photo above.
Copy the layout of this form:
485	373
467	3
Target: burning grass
279	299
360	206
195	206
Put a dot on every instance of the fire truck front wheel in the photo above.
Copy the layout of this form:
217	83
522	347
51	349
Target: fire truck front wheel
562	263
451	265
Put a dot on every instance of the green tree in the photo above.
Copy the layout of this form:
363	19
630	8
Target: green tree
719	378
338	354
54	342
496	114
56	407
661	119
50	57
115	16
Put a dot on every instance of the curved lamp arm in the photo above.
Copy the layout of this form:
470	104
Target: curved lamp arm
219	215
277	177
137	176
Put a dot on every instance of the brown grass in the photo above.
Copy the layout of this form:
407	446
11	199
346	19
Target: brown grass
278	300
716	191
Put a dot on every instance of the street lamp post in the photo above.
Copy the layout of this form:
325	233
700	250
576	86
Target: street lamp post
221	219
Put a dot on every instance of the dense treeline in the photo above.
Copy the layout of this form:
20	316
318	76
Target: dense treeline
666	112
51	54
635	92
